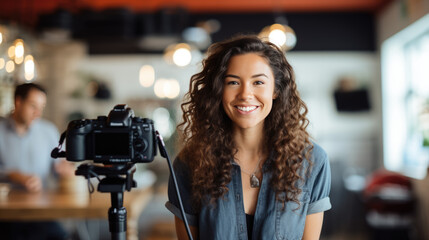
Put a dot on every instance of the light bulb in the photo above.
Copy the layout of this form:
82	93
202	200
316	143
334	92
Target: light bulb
182	56
167	88
2	63
178	54
146	75
159	88
172	89
278	37
11	52
29	68
281	35
10	66
19	48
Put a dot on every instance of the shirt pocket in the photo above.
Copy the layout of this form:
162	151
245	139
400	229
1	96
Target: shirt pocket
290	221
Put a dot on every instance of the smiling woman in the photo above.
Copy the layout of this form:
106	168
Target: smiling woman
247	169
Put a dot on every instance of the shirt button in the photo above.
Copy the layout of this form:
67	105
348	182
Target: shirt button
241	227
237	197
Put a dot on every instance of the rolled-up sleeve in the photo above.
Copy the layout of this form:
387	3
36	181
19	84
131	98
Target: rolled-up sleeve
321	178
184	183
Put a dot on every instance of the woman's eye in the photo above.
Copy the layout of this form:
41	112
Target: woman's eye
259	82
232	83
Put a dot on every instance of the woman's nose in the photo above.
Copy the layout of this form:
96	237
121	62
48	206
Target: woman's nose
246	92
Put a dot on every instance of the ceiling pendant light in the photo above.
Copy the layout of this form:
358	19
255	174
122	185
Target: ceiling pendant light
15	51
280	34
178	54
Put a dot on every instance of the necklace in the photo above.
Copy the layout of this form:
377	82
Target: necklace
254	181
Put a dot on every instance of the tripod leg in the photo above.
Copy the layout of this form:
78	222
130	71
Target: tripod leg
117	217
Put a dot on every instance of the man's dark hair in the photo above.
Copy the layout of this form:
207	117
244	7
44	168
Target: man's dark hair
22	90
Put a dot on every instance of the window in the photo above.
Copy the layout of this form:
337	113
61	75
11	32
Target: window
405	90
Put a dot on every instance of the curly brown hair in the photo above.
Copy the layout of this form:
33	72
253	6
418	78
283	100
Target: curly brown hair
207	131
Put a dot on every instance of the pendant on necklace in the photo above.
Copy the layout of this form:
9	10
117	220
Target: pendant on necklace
254	181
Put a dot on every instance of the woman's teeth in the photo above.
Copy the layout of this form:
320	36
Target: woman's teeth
246	109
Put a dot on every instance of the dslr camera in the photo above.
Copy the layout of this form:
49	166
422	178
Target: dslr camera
118	138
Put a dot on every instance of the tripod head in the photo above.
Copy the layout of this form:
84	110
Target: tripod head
118	178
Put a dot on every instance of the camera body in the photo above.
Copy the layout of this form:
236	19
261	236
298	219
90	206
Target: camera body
118	138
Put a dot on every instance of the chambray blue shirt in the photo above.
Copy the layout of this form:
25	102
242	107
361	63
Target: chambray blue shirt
227	220
29	153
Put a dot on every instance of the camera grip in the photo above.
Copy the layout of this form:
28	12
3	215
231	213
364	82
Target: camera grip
75	140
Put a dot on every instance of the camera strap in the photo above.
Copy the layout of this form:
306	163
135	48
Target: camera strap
56	152
164	154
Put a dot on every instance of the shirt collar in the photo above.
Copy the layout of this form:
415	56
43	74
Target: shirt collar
11	124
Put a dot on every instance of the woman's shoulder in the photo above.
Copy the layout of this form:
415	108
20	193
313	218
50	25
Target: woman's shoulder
319	158
318	153
315	158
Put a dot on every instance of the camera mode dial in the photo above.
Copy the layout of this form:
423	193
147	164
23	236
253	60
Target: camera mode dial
81	123
140	144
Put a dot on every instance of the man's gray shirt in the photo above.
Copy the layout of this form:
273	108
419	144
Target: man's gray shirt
29	153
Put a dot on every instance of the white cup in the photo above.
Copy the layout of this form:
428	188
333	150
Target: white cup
4	190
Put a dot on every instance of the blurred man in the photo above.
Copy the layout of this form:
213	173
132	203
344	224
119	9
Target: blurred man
26	142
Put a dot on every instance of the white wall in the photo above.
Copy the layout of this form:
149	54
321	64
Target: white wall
349	137
122	71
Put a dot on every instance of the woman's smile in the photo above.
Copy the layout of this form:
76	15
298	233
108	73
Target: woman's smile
246	109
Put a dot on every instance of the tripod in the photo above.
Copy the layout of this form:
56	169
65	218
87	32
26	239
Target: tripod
118	179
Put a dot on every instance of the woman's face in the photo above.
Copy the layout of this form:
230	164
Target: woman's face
248	91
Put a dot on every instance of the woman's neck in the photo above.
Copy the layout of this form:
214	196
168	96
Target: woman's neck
249	142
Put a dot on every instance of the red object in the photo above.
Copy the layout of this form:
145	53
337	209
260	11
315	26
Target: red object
388	192
381	178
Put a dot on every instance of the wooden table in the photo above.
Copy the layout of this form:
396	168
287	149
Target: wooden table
54	205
